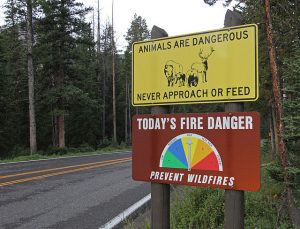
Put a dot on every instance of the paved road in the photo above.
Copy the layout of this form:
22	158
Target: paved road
79	192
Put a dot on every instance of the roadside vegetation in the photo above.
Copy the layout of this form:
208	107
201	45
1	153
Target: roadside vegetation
20	154
196	207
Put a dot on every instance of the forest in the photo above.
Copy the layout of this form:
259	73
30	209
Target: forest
70	89
64	84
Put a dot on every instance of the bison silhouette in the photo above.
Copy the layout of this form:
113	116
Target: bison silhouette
174	73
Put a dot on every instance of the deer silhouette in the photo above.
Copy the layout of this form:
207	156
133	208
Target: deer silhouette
204	57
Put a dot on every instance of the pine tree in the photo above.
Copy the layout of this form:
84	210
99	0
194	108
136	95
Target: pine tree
107	47
138	31
56	42
291	120
14	130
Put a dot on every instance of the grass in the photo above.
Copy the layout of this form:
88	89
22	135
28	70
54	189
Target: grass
197	208
130	224
24	155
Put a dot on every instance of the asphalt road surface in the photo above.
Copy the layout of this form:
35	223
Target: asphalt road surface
78	192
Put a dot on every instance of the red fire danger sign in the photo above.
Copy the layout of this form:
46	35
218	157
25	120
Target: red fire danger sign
217	150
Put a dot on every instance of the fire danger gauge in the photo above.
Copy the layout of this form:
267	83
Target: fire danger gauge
192	152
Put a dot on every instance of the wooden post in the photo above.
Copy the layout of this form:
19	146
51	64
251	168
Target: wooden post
160	193
234	199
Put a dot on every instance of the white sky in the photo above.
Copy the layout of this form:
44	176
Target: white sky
174	16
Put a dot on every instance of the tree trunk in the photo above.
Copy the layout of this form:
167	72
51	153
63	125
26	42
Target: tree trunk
104	89
293	211
61	115
129	114
271	134
61	131
32	123
276	92
54	127
103	102
113	78
275	135
98	69
93	22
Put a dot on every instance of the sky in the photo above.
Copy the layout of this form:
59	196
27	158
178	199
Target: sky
177	17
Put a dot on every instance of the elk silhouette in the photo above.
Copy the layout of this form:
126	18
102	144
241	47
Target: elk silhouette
199	68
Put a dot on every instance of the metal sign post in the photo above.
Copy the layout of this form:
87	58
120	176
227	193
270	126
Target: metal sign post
160	193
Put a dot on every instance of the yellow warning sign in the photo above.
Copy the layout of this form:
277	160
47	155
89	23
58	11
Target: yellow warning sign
214	66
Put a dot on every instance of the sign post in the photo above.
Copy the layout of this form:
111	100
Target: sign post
234	199
160	193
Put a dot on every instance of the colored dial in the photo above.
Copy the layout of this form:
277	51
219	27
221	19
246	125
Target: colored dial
191	151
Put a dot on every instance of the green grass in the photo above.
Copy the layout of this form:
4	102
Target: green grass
197	208
130	224
25	155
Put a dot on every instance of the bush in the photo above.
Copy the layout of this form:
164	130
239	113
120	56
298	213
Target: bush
53	150
110	145
200	208
105	142
123	145
19	151
266	209
85	147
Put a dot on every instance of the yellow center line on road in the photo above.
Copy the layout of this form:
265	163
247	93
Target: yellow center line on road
64	172
59	168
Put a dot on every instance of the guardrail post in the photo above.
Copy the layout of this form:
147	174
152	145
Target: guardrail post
160	193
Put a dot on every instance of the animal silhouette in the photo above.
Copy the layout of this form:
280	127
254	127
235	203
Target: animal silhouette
199	68
204	57
174	73
193	77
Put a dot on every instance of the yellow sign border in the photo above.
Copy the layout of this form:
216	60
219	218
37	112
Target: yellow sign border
256	92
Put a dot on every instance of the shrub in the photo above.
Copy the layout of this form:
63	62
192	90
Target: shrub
19	151
85	147
53	150
105	142
200	208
